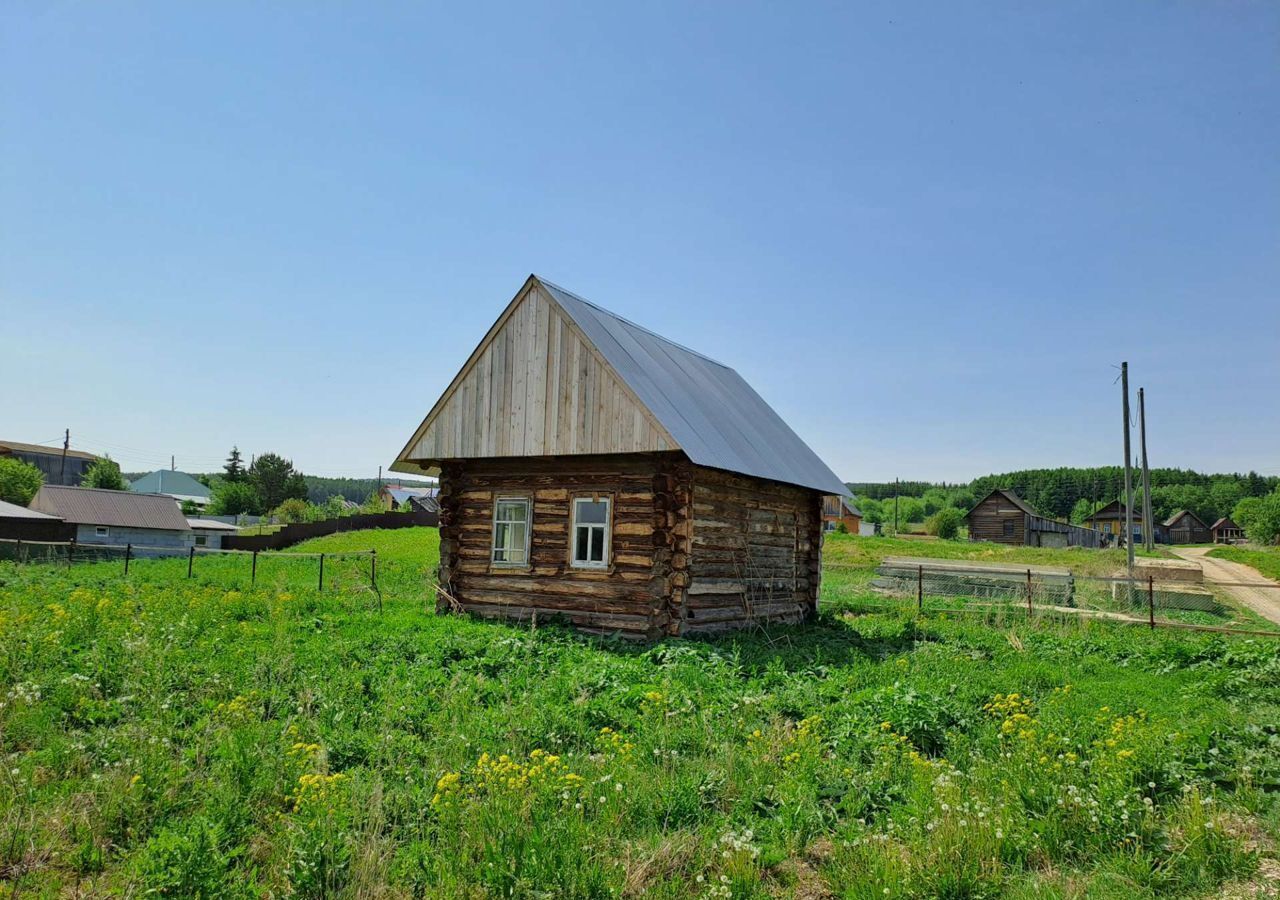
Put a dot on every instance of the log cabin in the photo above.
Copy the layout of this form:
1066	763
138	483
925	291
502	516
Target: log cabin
1183	527
1003	517
595	472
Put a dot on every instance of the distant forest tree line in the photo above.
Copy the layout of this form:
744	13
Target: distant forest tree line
1069	493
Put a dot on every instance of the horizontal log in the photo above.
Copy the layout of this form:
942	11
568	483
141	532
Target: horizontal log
574	585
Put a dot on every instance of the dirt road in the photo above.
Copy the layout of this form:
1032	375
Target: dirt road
1235	580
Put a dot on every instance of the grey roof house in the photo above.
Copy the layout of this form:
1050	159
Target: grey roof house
178	485
117	517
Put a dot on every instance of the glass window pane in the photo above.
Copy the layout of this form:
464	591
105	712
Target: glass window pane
580	544
593	512
512	510
597	545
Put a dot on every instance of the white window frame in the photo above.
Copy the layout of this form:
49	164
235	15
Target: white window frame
202	540
606	527
528	530
101	531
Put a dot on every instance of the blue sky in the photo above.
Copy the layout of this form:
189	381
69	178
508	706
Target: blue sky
925	233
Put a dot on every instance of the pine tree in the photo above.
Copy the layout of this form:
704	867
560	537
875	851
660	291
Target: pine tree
234	468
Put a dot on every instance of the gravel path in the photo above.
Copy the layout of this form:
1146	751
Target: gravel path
1237	580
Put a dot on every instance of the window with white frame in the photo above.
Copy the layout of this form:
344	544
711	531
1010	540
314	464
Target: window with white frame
101	531
511	531
591	532
202	540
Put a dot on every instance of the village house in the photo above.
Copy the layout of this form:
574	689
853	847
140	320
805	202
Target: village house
592	470
1225	531
420	498
1183	527
179	485
1005	518
17	523
1110	520
117	518
837	511
56	465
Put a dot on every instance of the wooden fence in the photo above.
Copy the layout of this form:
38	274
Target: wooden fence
288	535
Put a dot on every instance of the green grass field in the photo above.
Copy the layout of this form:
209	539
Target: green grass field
208	738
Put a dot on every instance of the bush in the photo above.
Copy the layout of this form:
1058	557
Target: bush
234	498
842	528
1259	517
19	481
294	510
945	523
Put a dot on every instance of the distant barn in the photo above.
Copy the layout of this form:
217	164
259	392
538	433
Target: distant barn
1183	527
593	470
1225	531
1003	517
56	465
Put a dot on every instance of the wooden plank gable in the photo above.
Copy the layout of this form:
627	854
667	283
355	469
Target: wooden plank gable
535	387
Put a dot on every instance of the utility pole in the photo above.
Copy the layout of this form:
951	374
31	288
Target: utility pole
1128	477
66	445
895	507
379	479
173	466
1148	527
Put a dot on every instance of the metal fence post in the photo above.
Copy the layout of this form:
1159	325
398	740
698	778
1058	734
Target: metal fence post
71	551
128	552
920	589
321	571
253	575
17	553
191	559
1029	613
1151	601
373	569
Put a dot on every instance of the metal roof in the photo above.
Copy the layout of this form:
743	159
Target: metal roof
13	511
1178	515
198	524
124	509
173	483
22	447
711	412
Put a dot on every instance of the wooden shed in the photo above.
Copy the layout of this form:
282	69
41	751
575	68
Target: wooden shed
592	470
1226	531
1183	527
1003	517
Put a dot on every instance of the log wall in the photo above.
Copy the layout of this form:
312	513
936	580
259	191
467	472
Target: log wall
757	549
632	595
987	521
691	549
